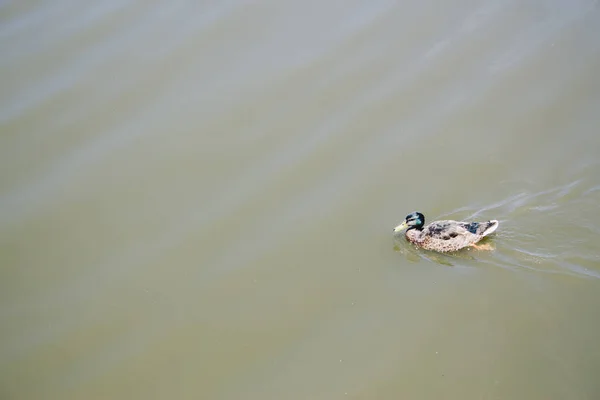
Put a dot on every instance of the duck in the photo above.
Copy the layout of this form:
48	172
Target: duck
446	235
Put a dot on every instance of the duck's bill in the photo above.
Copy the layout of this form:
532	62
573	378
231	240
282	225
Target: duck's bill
400	227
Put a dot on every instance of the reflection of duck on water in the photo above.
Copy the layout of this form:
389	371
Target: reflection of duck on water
445	236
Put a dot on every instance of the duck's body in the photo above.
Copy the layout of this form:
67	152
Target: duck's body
444	236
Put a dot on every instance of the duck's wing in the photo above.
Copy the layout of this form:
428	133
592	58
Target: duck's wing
443	229
446	230
480	228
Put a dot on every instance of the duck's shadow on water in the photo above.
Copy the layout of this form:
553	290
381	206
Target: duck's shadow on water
414	254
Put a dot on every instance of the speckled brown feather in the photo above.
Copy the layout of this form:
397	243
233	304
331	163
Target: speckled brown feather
446	236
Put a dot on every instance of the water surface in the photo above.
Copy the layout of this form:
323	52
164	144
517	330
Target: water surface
197	200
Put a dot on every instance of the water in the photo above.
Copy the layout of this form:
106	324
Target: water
197	200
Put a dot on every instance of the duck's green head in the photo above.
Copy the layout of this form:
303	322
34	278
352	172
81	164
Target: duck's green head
413	220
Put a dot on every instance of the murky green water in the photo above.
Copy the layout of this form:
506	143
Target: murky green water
196	200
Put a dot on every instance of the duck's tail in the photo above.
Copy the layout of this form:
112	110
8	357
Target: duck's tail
492	225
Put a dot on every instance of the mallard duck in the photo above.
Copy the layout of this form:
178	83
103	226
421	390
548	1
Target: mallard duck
444	236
